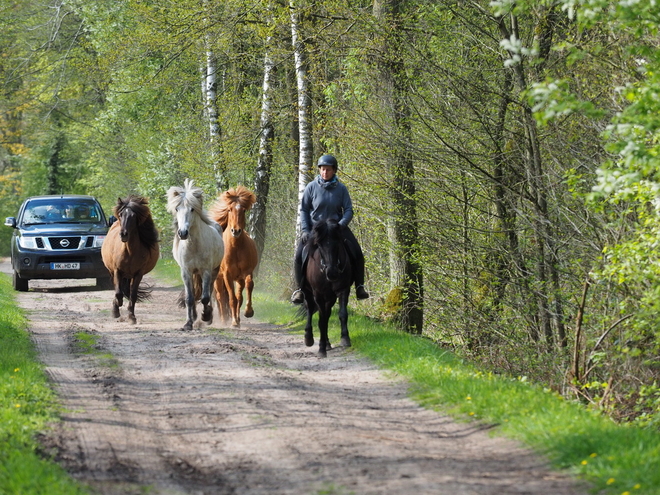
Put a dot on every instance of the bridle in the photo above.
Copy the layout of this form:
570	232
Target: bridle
323	267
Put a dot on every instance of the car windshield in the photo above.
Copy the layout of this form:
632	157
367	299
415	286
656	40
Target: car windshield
61	212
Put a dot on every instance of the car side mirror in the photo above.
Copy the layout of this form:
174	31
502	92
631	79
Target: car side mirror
10	222
111	220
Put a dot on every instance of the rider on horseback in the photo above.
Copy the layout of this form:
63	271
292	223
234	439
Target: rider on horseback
325	197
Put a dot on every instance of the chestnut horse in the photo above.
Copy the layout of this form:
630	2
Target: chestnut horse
241	256
197	248
130	251
328	278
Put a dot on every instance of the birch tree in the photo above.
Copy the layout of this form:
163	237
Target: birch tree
306	146
210	90
265	159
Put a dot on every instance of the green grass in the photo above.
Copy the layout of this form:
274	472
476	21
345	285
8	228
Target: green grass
614	459
87	343
27	406
168	271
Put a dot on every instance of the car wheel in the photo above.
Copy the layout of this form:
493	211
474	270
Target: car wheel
20	284
104	283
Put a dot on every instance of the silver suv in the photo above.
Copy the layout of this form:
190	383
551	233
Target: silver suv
58	237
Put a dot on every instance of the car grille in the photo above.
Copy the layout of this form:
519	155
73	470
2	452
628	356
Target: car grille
64	242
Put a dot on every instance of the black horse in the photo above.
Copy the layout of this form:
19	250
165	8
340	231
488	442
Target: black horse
328	277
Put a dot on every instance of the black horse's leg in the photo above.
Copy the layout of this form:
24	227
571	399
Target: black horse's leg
135	285
119	295
325	310
310	306
343	317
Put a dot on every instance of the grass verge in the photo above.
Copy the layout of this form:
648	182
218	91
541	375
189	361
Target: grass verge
614	459
27	406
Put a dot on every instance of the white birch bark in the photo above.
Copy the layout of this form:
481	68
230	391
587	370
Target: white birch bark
306	151
210	86
265	160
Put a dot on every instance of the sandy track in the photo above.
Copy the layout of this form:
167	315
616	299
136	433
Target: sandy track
251	411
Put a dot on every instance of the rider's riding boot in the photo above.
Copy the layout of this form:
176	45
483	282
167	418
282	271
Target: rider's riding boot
361	293
298	297
357	258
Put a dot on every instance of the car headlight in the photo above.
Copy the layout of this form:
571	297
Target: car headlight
27	242
98	240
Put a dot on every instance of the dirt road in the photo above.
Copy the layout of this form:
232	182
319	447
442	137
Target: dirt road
251	411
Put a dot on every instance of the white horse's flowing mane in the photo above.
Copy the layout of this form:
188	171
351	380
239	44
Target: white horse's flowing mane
191	197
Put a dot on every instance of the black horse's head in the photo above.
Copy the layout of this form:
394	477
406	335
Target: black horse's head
134	216
328	242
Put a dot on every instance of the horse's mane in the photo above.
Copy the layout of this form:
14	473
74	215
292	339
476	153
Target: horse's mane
220	209
191	197
146	227
328	228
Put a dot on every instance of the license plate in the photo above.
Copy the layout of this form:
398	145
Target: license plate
65	266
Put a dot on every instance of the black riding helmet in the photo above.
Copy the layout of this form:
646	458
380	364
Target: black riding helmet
328	161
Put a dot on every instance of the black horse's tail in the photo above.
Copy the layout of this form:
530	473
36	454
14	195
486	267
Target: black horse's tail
144	291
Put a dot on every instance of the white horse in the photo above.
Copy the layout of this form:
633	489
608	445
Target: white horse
198	248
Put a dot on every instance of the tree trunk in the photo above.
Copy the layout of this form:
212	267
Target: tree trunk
547	263
265	160
54	164
210	86
404	225
306	150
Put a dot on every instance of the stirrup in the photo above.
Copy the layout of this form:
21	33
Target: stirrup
297	297
361	293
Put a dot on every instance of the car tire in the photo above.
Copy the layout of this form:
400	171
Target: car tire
104	283
20	284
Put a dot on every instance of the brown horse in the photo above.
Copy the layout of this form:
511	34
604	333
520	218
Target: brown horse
130	251
241	256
